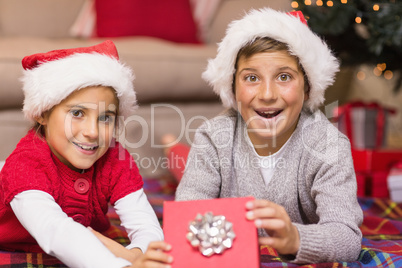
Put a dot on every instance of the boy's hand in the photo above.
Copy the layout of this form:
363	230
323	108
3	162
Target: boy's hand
283	235
155	256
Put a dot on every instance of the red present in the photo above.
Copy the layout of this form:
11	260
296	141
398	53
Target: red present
385	159
177	217
372	169
365	124
362	160
375	160
361	183
372	184
379	187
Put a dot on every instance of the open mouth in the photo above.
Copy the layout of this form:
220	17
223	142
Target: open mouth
268	114
86	147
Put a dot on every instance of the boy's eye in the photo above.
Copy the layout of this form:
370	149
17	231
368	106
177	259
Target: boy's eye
76	113
284	77
251	78
106	118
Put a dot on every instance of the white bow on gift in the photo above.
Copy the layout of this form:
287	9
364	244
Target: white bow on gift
211	234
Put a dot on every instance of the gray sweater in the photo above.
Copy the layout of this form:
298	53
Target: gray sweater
315	182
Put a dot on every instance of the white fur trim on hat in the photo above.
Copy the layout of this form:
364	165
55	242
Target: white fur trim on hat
314	55
51	82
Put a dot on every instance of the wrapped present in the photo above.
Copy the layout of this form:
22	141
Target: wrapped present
372	184
375	160
372	169
365	124
379	186
362	160
361	178
211	233
395	182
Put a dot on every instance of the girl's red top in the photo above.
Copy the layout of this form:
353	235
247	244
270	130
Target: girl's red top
83	197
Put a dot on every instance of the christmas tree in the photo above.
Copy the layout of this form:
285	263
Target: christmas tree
360	32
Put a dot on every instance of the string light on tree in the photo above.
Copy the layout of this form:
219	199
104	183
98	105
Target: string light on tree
382	66
360	32
361	75
388	74
377	71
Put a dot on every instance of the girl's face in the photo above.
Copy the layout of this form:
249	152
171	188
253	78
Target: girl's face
79	129
270	93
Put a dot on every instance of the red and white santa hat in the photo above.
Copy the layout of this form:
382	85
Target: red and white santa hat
291	28
48	78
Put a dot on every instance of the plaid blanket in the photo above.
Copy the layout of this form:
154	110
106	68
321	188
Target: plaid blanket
381	246
382	239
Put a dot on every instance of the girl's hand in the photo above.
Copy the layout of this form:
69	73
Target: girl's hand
283	235
155	256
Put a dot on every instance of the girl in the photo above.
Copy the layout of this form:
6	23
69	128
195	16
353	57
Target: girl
273	143
63	173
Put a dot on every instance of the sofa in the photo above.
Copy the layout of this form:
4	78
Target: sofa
171	94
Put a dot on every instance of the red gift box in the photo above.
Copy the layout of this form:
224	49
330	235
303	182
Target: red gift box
361	183
373	184
365	124
372	168
375	160
379	187
177	217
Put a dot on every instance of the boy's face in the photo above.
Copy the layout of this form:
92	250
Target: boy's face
79	129
270	93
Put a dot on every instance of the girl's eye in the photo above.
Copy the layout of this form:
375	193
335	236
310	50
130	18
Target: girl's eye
76	113
251	78
284	77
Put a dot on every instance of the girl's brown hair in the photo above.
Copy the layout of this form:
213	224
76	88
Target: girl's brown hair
40	131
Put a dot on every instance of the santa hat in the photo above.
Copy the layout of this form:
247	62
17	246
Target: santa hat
49	78
291	28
